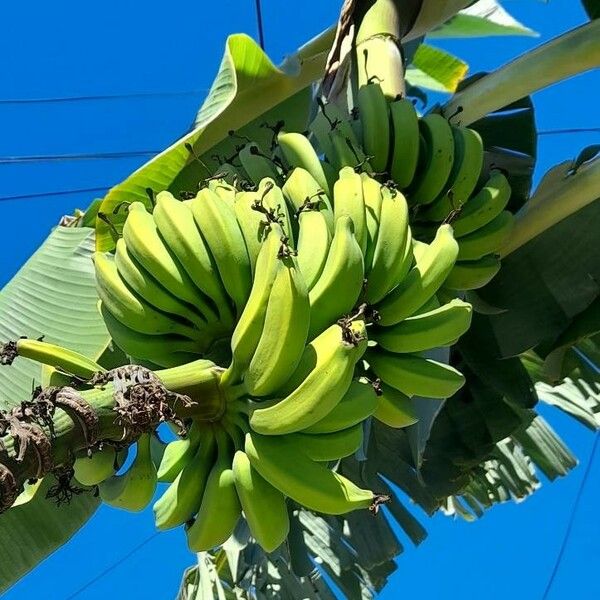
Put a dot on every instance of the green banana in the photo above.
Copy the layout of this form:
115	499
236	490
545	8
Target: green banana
319	383
143	283
436	163
247	332
256	164
182	499
177	455
314	239
439	327
468	161
415	375
484	207
487	240
406	142
375	120
422	281
176	226
94	469
220	509
128	309
299	152
273	198
373	200
146	245
358	404
135	488
284	333
341	282
329	446
472	275
348	201
264	506
63	359
394	408
219	228
392	257
253	224
309	483
167	350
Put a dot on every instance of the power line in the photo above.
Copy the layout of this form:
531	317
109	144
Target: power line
259	21
76	156
576	130
574	510
133	95
112	566
54	193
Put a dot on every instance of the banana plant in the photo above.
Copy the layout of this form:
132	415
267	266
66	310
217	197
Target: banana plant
461	454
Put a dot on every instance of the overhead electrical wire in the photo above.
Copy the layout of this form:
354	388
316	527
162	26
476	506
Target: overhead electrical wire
102	97
4	160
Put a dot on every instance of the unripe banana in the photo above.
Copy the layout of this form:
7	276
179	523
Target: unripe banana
220	509
273	198
253	224
168	350
247	332
264	506
415	375
348	201
375	121
314	240
406	142
487	240
435	163
143	283
319	383
394	408
145	244
468	161
373	200
309	483
135	488
176	225
256	164
358	404
177	455
484	207
284	333
182	499
472	275
439	327
130	310
225	180
341	282
392	257
422	281
94	469
65	360
347	153
299	152
324	447
218	226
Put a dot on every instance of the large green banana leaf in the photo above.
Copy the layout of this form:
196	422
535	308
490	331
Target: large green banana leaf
53	295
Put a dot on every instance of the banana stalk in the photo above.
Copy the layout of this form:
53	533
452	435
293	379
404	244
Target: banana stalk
199	380
574	52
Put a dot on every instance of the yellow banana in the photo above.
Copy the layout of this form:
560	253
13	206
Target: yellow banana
329	446
358	404
264	506
439	327
415	375
135	488
220	509
284	332
422	281
435	163
487	240
341	282
218	226
375	120
309	483
406	142
319	383
394	408
348	202
472	275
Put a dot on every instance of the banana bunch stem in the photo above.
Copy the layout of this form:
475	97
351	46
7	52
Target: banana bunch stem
44	434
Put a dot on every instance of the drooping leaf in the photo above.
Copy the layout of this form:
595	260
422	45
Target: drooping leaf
247	85
53	295
484	18
436	69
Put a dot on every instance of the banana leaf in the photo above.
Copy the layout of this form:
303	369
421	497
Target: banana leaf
53	295
435	69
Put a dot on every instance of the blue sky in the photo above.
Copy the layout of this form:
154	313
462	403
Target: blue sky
67	48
